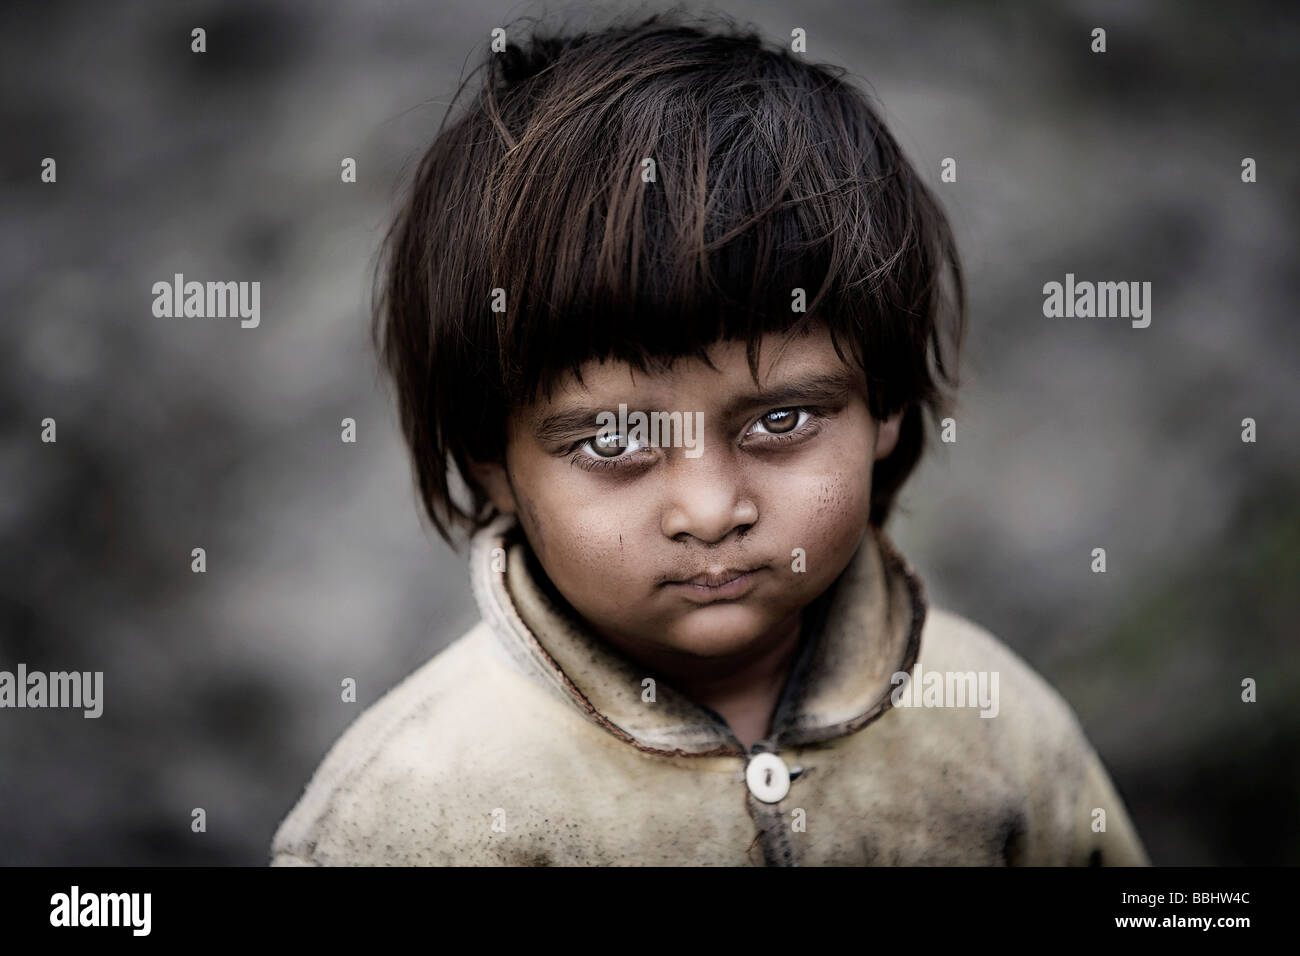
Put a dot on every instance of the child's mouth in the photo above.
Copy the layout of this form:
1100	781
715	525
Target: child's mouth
716	586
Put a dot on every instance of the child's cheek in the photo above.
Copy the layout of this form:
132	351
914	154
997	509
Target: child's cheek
820	507
597	549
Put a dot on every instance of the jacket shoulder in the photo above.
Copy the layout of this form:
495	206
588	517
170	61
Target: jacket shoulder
426	774
385	741
1036	738
950	642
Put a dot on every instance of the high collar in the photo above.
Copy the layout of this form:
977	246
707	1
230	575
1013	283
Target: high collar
841	680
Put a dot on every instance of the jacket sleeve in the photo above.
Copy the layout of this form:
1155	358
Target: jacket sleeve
1118	844
286	858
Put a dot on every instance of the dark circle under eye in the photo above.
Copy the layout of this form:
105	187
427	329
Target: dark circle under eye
606	447
780	421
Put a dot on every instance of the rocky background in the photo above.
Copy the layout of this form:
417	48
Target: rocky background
222	689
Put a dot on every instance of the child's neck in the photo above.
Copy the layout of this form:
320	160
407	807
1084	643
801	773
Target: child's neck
746	696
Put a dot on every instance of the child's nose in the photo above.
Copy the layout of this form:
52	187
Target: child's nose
706	500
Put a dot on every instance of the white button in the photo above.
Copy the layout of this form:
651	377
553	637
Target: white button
768	777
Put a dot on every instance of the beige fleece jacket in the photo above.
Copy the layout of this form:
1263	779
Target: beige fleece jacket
527	741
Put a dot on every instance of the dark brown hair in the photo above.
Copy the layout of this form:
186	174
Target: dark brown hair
771	174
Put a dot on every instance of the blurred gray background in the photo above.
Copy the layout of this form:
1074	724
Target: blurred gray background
222	689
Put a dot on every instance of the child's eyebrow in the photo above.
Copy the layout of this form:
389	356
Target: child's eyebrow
577	420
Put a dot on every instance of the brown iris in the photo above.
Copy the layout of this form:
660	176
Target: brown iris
785	420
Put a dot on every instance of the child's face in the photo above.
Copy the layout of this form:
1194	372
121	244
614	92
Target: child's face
612	539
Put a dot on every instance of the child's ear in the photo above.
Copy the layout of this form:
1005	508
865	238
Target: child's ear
887	434
492	477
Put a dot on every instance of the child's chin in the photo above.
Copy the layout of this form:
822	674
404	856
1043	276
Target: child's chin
714	630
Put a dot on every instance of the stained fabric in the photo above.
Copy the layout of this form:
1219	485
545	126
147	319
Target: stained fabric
528	741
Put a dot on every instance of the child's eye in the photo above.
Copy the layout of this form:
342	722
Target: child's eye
795	423
788	424
604	454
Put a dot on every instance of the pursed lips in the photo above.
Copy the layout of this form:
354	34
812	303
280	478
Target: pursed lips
715	578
